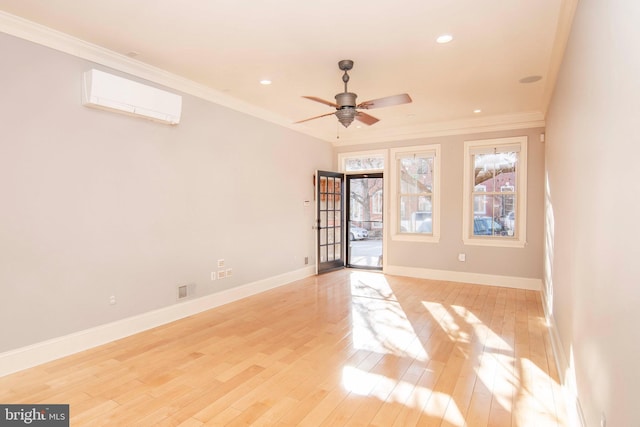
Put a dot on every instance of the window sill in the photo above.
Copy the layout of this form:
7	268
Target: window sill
415	238
494	242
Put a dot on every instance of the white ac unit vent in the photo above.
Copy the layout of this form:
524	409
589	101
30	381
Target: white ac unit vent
106	91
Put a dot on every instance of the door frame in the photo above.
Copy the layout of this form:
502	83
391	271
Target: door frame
347	216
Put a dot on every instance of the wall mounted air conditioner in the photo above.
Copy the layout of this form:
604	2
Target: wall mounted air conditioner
106	91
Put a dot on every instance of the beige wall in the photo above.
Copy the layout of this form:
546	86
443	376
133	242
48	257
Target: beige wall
515	262
593	205
95	204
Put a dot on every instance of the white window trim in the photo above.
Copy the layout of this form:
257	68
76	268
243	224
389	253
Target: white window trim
393	193
521	181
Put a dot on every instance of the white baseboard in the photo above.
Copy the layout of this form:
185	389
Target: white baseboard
569	389
46	351
466	277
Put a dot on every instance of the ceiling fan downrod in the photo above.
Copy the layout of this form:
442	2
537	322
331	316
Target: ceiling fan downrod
346	101
345	65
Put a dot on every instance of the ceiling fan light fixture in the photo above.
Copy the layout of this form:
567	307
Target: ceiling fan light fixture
346	116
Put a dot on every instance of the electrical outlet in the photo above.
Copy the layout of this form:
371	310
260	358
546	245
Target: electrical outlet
112	300
306	260
462	257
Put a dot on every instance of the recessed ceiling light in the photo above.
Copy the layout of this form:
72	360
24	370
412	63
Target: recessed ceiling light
265	82
444	38
530	79
477	110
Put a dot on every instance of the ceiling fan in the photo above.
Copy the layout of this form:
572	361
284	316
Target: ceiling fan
346	107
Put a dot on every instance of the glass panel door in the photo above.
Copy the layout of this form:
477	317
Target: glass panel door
329	201
365	220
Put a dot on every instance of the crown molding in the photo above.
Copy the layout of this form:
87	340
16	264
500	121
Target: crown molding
563	31
45	36
495	123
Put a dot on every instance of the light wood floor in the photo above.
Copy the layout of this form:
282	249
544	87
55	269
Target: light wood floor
346	348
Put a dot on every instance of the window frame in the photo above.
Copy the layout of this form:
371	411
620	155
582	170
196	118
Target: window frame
519	240
378	202
343	157
434	151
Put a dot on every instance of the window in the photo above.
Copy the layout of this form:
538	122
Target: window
494	210
361	162
415	174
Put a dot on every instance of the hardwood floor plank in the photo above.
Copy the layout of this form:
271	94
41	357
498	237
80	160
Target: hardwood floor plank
323	408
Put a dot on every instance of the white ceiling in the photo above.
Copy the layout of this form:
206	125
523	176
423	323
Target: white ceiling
230	45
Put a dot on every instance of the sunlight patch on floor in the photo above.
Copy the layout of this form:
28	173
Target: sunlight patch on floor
372	285
379	322
382	326
447	322
433	403
502	375
533	394
516	384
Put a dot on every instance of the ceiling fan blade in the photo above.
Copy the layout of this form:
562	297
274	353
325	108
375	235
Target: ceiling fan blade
385	102
322	101
366	118
316	117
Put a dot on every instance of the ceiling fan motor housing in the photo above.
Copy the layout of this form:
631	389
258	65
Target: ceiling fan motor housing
346	99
